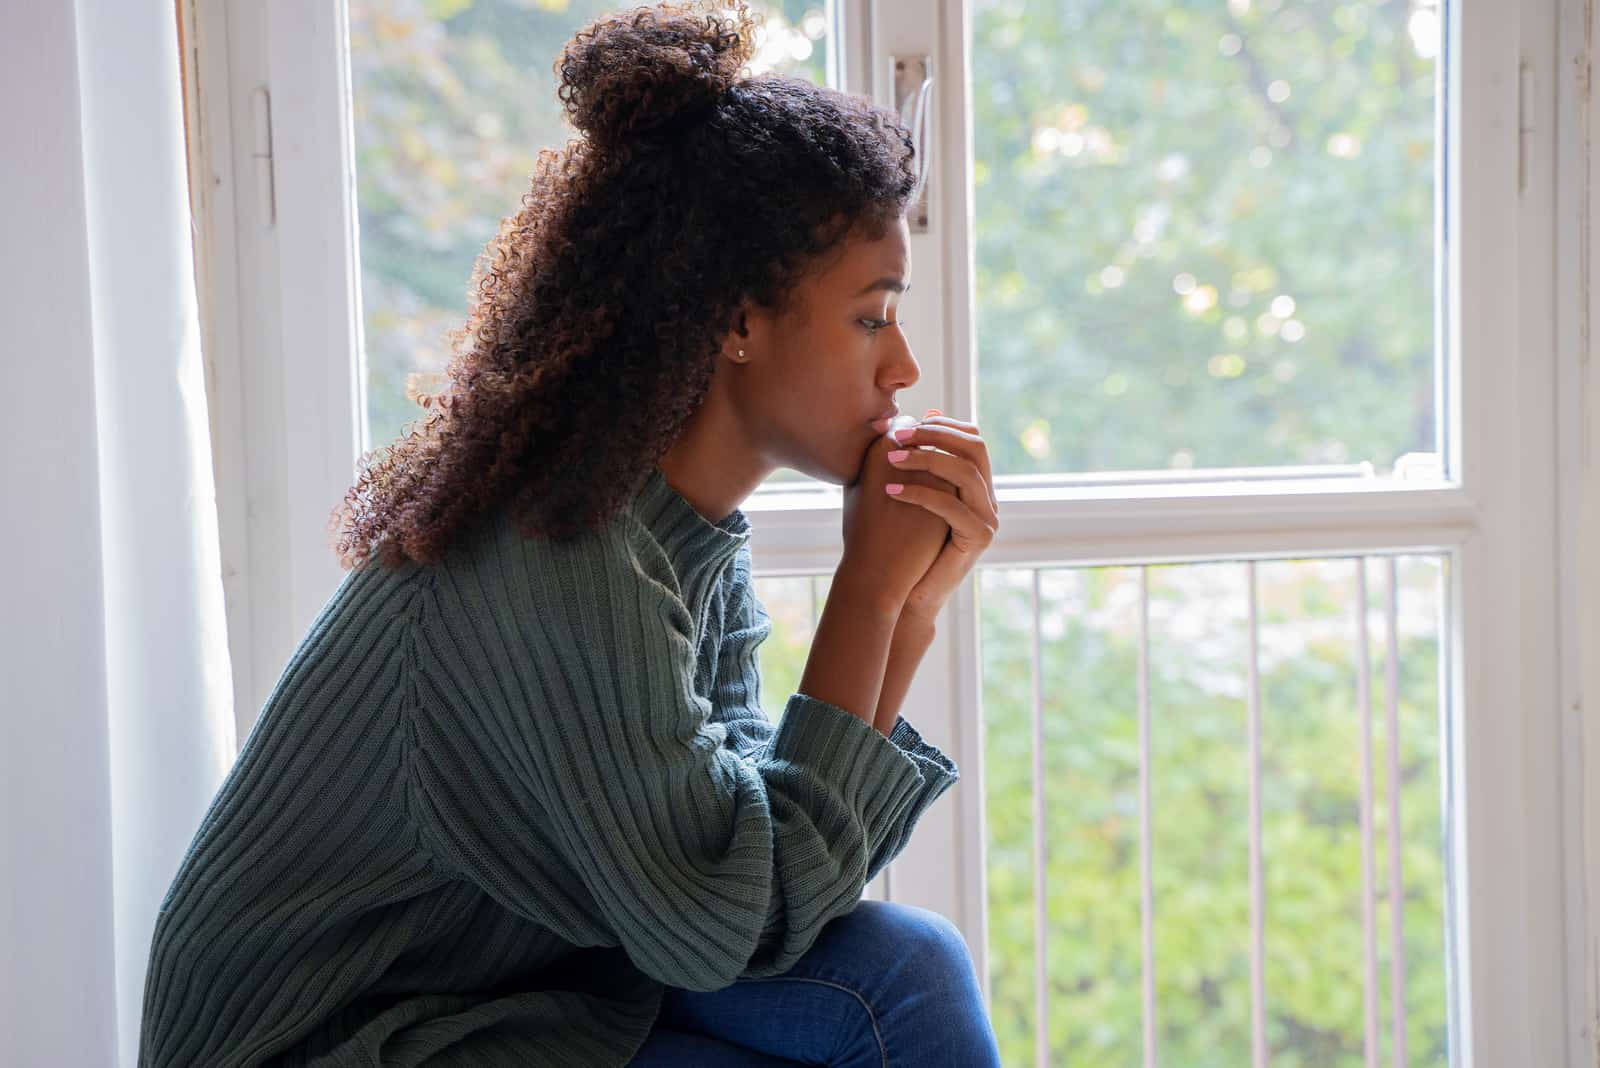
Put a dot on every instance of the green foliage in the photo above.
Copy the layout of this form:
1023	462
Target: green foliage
1310	798
1126	151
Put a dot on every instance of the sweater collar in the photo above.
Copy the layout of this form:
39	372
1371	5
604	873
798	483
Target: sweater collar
696	546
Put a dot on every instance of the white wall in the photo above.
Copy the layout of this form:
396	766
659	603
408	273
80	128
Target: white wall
57	995
116	717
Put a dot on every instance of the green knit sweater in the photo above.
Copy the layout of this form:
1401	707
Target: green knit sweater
493	804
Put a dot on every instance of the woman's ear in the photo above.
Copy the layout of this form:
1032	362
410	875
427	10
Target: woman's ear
737	345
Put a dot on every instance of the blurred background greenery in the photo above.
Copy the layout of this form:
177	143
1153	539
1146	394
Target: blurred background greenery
1088	631
1205	238
1204	232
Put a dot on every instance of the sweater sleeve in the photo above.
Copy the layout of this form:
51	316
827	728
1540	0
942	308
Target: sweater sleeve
736	703
703	863
736	687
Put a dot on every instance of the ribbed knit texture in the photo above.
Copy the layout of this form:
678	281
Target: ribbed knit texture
493	804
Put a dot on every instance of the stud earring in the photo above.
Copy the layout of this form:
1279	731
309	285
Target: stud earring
741	354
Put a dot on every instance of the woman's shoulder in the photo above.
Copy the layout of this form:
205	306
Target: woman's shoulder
498	566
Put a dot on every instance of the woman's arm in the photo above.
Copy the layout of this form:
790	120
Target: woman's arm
912	637
850	649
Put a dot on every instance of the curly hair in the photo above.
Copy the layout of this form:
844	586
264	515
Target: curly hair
601	305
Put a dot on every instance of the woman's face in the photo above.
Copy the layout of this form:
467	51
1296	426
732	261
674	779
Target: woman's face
816	379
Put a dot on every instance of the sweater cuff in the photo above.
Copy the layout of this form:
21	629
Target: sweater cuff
935	765
872	775
939	773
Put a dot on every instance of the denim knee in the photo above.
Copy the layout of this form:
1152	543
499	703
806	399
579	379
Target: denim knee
924	941
936	1014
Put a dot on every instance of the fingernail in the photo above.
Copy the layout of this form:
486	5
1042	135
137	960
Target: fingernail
934	411
899	454
901	434
893	488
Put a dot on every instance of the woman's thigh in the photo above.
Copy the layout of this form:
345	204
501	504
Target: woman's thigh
884	984
680	1049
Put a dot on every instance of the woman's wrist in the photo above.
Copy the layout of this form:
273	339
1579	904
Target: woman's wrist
910	642
866	591
851	646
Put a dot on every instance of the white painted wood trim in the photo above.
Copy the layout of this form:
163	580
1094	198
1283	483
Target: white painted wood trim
324	403
1577	129
279	313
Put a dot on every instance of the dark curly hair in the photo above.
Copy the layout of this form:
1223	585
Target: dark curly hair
600	307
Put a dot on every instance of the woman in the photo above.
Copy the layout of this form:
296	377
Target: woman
514	800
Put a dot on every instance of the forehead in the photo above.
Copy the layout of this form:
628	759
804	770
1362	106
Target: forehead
873	264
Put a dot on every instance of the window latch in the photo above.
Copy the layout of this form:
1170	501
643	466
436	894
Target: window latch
912	83
261	152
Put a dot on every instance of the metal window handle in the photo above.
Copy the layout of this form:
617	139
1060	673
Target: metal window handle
912	84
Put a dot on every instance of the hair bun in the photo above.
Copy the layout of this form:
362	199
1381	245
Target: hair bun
634	71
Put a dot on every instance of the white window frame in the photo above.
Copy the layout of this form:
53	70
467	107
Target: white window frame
277	261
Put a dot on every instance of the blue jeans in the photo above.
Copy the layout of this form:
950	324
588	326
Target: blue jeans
884	984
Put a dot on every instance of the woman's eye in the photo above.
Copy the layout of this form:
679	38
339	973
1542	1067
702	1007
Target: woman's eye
874	325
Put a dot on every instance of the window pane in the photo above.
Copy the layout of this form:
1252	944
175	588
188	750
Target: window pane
453	100
794	603
1311	801
1205	232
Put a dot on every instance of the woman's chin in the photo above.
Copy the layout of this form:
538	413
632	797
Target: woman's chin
826	469
834	475
840	466
849	468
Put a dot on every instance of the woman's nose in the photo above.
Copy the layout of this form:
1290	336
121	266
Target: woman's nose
902	372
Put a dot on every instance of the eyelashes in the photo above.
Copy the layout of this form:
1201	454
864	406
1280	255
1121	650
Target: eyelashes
874	325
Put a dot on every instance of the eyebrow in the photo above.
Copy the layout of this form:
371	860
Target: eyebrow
886	282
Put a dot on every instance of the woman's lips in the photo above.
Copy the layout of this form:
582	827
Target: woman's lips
881	424
889	422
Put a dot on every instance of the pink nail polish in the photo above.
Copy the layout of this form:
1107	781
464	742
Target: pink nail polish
900	434
893	488
899	454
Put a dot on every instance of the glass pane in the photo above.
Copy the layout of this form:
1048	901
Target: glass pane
1205	232
1311	797
1200	789
453	99
794	604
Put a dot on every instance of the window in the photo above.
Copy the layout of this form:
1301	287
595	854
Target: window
1206	233
1198	755
1252	299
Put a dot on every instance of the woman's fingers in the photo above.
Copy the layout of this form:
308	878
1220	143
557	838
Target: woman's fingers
960	439
969	532
936	416
956	470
